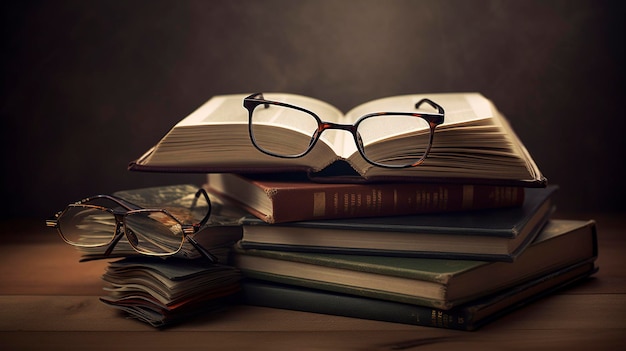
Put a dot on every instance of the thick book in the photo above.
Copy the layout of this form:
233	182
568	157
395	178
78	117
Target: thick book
426	282
469	316
495	234
475	144
276	199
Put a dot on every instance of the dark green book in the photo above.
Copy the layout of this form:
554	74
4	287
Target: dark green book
421	281
469	316
488	235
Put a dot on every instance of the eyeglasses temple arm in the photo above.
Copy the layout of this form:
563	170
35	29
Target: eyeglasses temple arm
202	250
202	192
431	103
54	221
258	96
124	203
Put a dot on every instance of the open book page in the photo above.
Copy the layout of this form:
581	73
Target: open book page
302	123
460	109
217	134
228	109
474	138
520	149
218	110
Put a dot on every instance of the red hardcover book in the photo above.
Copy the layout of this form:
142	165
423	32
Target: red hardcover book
286	199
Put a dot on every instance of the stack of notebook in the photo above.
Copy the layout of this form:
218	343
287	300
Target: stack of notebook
165	290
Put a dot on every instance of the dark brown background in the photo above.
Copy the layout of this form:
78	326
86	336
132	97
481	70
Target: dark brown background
87	86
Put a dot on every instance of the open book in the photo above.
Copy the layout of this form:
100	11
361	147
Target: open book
474	144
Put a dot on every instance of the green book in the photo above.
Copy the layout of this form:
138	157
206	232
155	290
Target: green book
487	235
469	316
436	283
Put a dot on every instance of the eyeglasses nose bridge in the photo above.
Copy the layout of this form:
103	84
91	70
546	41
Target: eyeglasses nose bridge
119	218
337	126
329	125
119	233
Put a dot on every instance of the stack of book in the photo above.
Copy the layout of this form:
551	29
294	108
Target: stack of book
455	269
455	242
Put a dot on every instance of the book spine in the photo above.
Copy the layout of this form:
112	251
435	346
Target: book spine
274	296
375	200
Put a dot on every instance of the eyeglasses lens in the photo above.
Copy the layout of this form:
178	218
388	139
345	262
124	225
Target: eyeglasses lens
87	226
153	232
295	136
412	134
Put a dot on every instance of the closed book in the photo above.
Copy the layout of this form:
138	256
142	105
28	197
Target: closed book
469	316
427	282
475	143
276	199
495	234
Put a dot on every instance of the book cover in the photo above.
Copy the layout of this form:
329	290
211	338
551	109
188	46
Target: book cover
276	199
495	234
215	139
470	316
428	282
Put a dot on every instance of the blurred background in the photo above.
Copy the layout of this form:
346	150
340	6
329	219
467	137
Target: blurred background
88	86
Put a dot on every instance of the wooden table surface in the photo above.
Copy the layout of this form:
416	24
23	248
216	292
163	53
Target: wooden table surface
49	301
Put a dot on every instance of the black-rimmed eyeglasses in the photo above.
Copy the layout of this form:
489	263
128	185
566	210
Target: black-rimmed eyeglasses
102	220
414	131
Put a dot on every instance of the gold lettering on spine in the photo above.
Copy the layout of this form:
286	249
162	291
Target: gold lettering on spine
353	203
319	204
374	200
443	319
